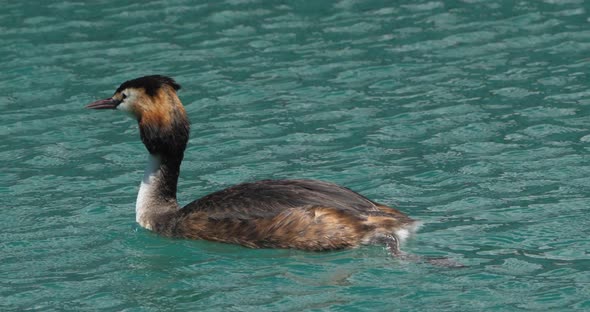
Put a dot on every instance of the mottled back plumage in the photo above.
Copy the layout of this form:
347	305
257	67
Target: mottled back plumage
267	198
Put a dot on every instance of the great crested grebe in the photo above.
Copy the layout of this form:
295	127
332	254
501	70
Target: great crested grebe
299	214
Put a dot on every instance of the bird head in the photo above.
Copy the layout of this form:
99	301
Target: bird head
153	102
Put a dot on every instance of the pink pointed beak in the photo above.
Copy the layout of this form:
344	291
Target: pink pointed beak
109	103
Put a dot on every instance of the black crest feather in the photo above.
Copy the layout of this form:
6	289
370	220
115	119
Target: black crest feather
151	84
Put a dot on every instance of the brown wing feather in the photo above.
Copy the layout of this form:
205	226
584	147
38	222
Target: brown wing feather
301	214
307	228
268	198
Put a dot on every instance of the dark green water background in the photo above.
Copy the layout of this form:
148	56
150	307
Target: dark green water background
472	116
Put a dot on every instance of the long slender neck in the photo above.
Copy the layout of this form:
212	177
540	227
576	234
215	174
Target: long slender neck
164	130
157	193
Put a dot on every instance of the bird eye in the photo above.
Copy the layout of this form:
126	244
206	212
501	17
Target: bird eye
123	95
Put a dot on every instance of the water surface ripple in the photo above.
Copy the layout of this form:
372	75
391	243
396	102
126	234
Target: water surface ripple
469	115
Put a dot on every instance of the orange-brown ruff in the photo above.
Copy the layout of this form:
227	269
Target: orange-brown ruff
301	214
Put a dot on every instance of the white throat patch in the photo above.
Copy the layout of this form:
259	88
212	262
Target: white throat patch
147	190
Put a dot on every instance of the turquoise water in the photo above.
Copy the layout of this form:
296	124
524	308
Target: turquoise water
469	115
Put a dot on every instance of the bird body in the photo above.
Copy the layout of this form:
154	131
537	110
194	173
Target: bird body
300	214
